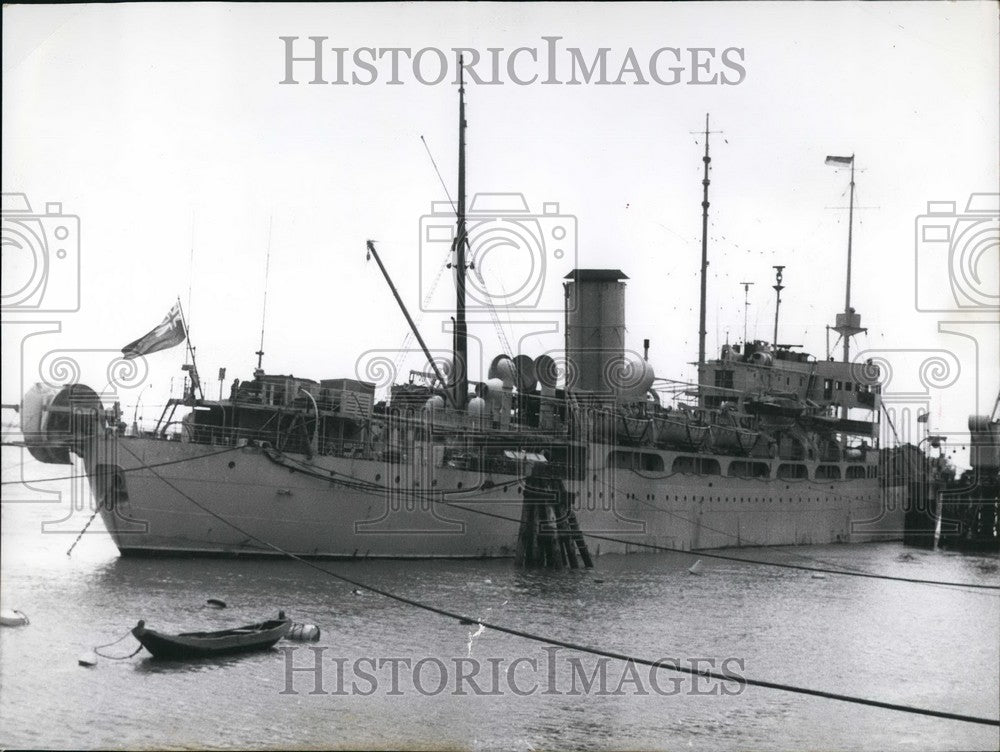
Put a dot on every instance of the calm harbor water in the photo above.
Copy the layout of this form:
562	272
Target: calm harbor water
930	646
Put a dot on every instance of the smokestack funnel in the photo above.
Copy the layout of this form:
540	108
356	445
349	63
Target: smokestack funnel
595	328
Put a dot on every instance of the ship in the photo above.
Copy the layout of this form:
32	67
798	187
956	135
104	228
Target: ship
769	447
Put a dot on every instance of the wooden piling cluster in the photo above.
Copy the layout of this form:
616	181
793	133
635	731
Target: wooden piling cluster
549	535
970	514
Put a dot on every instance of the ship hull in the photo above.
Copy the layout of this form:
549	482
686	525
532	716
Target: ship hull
169	497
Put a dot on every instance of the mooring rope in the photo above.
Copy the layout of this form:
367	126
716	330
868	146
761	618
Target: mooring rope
97	650
745	560
656	665
96	510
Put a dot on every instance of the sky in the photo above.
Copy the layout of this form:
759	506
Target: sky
191	169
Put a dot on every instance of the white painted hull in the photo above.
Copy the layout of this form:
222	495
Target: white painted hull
420	511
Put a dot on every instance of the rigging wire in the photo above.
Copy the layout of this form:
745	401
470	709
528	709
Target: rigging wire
490	308
263	307
657	664
124	469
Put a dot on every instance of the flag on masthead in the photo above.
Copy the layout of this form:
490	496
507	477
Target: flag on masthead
839	160
170	332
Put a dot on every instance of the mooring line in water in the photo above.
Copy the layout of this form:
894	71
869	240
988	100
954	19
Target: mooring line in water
96	510
97	650
601	652
124	470
745	560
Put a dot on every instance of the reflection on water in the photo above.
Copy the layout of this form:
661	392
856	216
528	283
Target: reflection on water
924	645
147	664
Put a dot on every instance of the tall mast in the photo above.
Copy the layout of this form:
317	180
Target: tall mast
746	310
461	377
263	307
778	287
847	295
704	251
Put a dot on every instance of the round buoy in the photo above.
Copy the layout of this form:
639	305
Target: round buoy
9	618
215	603
88	659
303	633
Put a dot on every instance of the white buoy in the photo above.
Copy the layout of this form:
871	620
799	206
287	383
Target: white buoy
303	633
696	567
13	618
818	576
88	659
357	591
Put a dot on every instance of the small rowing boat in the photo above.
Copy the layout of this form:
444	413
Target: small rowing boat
206	644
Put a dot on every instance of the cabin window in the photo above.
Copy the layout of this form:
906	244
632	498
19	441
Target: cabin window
793	471
626	460
749	470
699	465
828	472
855	473
724	379
652	462
827	388
839	385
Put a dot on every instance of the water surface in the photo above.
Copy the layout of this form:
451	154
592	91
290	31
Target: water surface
929	646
